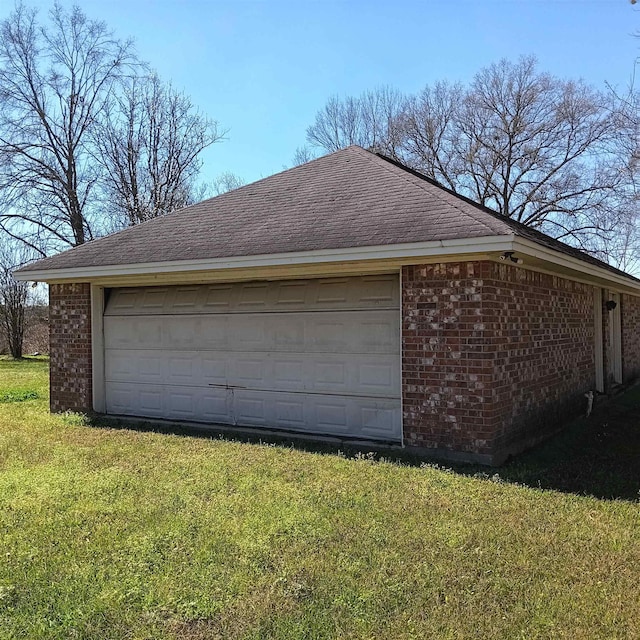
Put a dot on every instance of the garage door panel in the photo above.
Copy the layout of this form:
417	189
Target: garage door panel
185	299
181	404
345	332
332	415
336	415
328	372
290	295
373	292
287	372
350	332
377	376
253	296
120	398
125	332
250	332
360	374
215	406
247	371
151	401
215	369
378	291
131	366
313	413
376	419
154	299
217	299
186	332
317	356
123	301
332	292
250	408
166	401
289	412
288	335
183	369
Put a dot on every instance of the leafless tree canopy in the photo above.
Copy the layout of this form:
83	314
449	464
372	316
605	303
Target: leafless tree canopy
536	148
13	298
90	140
150	142
302	155
623	247
54	83
226	181
369	121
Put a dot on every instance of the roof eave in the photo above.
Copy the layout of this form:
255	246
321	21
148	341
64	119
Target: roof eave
587	270
462	246
535	256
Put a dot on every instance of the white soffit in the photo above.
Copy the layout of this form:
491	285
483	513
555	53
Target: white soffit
566	265
397	252
350	260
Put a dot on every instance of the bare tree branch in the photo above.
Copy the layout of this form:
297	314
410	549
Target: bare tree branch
553	154
150	142
55	79
369	121
13	295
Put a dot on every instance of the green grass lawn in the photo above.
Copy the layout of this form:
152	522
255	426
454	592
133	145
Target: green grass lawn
116	533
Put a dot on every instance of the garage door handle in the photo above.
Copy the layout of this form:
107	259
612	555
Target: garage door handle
227	386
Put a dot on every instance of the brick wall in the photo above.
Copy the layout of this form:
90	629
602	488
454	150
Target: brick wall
543	350
630	337
494	356
70	347
446	362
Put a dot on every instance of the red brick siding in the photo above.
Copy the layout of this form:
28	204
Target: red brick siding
70	347
447	370
630	337
543	346
493	355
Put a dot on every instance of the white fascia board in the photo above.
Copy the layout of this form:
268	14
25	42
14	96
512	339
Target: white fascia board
535	250
435	248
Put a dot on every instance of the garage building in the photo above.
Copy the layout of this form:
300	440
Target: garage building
350	298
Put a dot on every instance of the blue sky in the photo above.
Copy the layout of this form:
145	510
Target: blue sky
263	68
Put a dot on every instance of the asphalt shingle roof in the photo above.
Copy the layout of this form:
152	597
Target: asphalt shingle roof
350	198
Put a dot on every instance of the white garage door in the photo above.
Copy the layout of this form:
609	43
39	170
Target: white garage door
318	356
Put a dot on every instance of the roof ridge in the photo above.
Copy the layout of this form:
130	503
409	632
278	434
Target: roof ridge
273	175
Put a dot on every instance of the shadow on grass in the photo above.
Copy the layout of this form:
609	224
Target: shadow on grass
597	456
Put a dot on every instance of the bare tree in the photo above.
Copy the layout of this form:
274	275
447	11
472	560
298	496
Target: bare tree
531	146
226	181
627	113
622	247
303	155
13	298
369	121
619	247
430	133
537	148
151	143
55	79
